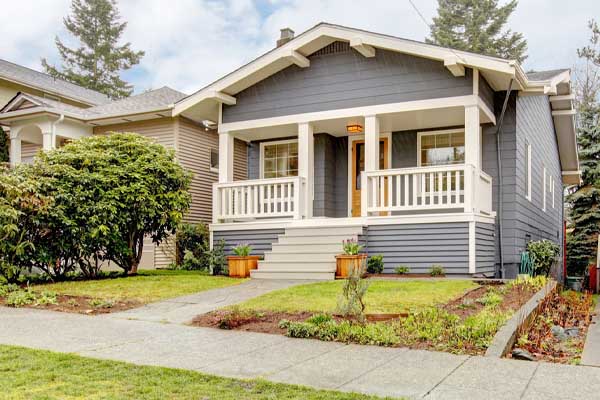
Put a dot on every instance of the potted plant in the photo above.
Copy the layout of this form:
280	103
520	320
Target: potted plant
351	260
241	264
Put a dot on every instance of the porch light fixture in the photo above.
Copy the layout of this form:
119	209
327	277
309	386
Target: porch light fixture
354	128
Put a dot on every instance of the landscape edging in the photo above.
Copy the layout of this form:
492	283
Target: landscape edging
506	337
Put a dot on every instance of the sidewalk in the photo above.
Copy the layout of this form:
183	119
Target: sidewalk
591	349
374	370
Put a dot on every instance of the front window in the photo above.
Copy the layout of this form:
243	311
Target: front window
279	159
442	148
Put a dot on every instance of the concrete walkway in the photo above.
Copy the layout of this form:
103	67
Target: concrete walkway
374	370
591	349
183	309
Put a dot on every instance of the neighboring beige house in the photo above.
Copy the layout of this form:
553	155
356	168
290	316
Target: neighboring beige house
38	120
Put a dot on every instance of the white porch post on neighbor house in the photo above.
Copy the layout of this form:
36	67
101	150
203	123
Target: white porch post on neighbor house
15	150
306	151
48	141
371	157
226	142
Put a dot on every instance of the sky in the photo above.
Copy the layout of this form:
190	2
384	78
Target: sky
190	43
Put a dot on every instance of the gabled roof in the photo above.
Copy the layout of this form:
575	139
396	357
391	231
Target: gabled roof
28	77
545	75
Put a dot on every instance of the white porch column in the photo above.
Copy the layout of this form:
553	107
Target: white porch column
48	142
226	142
371	143
306	152
15	151
472	136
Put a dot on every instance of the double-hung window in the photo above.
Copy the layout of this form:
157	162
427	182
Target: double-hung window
279	159
441	148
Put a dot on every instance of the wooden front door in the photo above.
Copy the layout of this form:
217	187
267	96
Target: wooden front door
358	166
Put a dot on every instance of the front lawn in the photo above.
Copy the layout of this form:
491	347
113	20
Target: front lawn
147	287
382	296
34	374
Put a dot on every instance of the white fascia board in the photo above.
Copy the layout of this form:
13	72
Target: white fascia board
298	59
28	113
562	97
359	45
223	98
559	113
453	65
430	104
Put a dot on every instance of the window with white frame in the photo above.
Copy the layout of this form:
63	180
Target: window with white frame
214	160
544	188
441	148
551	188
279	159
528	172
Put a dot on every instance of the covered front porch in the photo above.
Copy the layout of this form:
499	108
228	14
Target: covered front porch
399	161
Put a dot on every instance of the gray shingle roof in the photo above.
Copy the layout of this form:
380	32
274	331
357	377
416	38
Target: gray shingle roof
44	82
545	75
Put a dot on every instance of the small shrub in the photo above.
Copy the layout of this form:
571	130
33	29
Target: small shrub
101	303
402	269
543	254
242	250
351	247
436	270
491	299
535	283
8	288
217	260
351	301
192	244
236	316
20	298
45	298
375	264
319	319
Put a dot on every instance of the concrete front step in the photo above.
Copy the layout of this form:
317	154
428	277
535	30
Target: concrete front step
335	248
297	274
295	256
297	265
314	239
339	231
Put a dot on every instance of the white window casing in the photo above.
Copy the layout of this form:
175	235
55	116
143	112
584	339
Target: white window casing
528	175
552	190
214	160
544	190
279	165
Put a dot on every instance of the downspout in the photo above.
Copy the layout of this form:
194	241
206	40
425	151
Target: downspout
53	131
500	182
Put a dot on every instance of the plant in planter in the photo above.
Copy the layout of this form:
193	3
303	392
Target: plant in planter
375	264
351	260
241	264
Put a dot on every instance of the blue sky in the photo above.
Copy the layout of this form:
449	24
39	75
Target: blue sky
190	43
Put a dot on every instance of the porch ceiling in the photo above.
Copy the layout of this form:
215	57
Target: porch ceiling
392	122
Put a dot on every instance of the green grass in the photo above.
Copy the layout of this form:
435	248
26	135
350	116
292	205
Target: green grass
147	286
35	375
382	296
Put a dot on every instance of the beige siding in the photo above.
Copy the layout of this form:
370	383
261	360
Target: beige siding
8	90
194	144
162	130
28	151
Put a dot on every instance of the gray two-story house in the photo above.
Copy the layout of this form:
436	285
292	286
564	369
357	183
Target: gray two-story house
426	154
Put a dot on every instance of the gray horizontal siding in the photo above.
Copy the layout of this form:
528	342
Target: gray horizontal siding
347	79
419	246
485	248
261	240
486	93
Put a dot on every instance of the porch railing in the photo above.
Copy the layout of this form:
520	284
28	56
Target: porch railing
442	187
258	199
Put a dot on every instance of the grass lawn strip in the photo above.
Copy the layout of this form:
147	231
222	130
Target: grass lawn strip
35	374
382	296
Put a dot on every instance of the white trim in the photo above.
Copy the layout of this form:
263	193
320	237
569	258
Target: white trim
559	113
454	66
552	190
566	173
224	98
261	157
364	49
544	190
431	133
298	59
472	248
354	138
562	97
528	177
475	82
210	167
379	109
355	221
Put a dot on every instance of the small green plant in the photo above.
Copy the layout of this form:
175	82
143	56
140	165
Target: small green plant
351	247
217	260
8	288
20	298
543	254
436	270
101	303
352	300
237	316
491	299
73	303
402	269
242	250
375	264
45	298
319	319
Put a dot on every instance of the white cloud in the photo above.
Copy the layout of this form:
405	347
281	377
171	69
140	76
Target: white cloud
190	43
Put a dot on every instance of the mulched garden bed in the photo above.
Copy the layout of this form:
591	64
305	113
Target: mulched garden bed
401	276
268	321
558	332
83	305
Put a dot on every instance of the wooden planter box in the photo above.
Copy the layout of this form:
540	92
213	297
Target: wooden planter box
239	267
344	264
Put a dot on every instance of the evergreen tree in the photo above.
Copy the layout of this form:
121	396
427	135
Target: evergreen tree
477	26
3	146
99	60
584	201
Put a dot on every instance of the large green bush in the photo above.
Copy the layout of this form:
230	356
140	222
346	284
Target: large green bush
22	214
192	247
110	193
543	254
